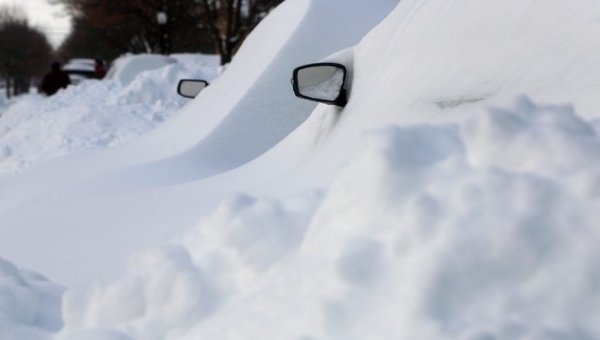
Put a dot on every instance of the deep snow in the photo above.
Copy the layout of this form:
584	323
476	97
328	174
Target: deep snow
155	182
97	114
455	197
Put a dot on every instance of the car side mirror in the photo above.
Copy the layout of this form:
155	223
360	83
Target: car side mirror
321	82
190	88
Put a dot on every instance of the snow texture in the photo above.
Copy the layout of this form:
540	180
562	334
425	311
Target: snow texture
96	114
252	215
127	67
409	230
30	305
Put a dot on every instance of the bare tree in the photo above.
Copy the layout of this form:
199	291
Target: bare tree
116	27
132	25
24	51
230	21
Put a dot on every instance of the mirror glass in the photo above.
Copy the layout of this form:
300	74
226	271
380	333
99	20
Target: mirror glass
323	82
190	87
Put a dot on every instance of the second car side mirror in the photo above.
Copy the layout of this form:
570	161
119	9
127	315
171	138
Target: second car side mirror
190	88
321	82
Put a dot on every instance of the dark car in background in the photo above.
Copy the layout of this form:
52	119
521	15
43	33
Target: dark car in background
79	69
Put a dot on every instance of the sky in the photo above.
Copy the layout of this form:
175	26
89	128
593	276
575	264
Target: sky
51	19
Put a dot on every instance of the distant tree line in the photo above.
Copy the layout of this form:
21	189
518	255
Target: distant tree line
108	29
24	51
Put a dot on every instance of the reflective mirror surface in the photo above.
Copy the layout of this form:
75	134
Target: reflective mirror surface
191	87
322	82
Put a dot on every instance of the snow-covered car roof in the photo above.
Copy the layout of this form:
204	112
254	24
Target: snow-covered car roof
79	64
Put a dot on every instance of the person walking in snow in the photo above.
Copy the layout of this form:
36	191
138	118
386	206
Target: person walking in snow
54	80
99	68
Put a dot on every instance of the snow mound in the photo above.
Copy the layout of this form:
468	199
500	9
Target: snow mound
94	114
476	50
241	115
427	208
126	68
456	246
424	235
30	305
251	107
168	290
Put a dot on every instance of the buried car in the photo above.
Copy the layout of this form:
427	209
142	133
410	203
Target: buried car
330	82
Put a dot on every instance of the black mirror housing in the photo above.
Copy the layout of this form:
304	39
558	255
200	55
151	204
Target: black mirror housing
190	88
321	82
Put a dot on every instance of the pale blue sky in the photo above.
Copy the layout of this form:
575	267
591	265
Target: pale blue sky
51	19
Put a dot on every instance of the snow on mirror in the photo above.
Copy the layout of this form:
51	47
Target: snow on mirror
190	88
322	82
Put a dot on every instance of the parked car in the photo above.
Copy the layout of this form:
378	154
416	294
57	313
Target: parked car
79	69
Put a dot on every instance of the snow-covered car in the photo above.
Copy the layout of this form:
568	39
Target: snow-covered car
126	68
79	69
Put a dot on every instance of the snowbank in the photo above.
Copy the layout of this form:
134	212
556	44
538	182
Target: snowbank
96	114
396	217
433	234
474	221
433	50
484	228
101	199
125	69
251	107
30	305
170	289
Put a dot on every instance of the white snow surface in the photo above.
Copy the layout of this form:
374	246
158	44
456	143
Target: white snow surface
97	114
30	305
456	196
125	69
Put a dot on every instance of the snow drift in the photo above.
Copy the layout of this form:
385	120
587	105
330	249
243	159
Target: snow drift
125	69
455	197
97	114
98	198
407	242
30	305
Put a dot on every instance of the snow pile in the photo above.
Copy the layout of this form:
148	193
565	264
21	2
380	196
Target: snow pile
30	305
485	230
431	51
100	200
125	69
96	114
170	289
251	107
163	291
427	208
159	86
437	231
